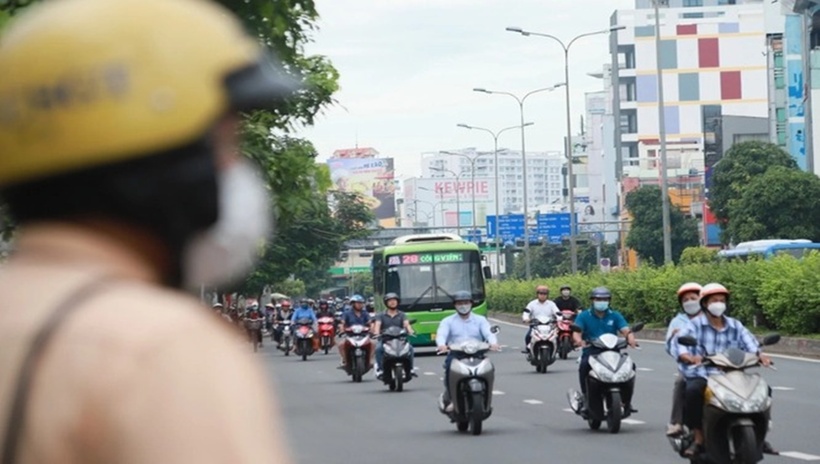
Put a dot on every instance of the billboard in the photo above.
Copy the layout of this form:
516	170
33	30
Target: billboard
448	202
372	178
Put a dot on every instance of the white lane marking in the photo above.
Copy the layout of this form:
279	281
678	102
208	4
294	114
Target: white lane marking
504	346
568	410
441	378
632	421
799	455
498	392
645	369
429	373
516	347
533	402
783	388
658	342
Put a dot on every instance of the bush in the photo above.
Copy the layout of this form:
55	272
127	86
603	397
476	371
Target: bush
698	255
782	294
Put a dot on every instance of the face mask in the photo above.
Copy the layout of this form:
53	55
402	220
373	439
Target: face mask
565	293
717	308
691	307
229	248
600	306
464	309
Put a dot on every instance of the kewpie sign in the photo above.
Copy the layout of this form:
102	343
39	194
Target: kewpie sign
448	188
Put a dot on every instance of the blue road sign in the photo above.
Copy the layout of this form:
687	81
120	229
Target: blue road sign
553	226
508	227
473	235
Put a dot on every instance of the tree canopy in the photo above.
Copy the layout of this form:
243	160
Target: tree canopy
555	260
780	203
743	162
646	231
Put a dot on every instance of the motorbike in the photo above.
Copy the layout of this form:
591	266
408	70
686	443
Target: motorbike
254	328
357	347
610	383
736	410
543	342
396	364
304	338
286	339
327	333
471	380
565	334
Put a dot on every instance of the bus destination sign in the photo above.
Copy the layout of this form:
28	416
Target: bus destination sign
425	258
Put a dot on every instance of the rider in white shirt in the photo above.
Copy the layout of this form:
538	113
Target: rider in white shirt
541	306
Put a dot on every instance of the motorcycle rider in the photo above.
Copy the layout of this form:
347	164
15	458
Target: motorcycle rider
594	322
566	301
715	333
689	301
540	306
252	312
355	316
282	314
392	317
459	327
324	310
304	311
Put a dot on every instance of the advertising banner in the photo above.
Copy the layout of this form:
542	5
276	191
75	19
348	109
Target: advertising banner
372	178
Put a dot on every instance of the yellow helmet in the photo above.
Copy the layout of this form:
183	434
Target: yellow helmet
86	83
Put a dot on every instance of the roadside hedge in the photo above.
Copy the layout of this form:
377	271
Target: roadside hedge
781	294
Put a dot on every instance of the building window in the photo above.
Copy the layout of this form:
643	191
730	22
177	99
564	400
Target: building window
778	59
781	115
779	79
692	3
781	137
726	2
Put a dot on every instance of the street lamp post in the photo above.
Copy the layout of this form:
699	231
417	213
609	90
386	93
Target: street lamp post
440	202
472	175
495	136
667	226
572	220
521	101
458	197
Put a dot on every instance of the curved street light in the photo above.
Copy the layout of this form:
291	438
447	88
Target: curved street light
568	146
521	101
495	136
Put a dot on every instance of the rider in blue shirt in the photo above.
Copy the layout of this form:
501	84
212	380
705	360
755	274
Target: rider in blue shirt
598	320
355	316
304	311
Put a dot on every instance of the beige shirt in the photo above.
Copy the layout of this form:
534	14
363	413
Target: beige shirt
137	373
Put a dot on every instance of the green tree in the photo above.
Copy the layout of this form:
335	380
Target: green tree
780	203
646	232
555	260
290	287
363	283
743	162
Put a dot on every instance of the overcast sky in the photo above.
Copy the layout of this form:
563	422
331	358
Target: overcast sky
408	68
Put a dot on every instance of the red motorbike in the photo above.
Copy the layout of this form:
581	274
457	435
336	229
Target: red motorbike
327	333
356	348
565	333
304	338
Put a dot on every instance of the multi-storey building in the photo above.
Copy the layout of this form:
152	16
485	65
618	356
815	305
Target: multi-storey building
544	182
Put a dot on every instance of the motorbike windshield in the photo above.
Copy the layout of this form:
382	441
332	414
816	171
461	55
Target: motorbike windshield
428	280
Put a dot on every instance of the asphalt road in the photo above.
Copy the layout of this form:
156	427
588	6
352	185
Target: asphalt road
331	419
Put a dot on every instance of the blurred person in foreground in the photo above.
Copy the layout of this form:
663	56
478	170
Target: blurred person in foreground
119	161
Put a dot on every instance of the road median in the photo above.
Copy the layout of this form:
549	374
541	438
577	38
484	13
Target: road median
792	346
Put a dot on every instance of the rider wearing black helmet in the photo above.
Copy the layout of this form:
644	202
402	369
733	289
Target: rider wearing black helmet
594	322
566	302
391	317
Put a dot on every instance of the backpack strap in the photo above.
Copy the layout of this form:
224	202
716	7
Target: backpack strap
15	424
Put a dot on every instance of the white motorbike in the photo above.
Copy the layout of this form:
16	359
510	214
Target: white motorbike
736	409
542	350
610	383
471	381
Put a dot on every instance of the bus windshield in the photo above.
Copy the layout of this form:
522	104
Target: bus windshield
427	280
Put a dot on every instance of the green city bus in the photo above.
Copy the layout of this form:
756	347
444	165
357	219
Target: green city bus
425	271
